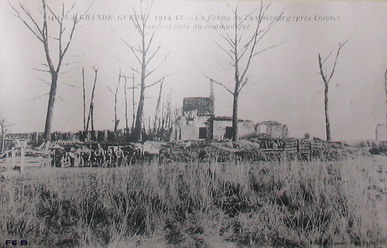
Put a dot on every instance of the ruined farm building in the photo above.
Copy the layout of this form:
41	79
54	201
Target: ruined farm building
198	122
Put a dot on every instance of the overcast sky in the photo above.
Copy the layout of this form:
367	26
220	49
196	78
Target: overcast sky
284	82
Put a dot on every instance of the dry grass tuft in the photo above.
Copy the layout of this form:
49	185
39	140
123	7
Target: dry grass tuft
290	204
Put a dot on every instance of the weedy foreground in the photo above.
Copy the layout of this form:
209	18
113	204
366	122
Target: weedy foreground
235	204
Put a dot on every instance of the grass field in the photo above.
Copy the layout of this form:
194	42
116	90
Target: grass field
287	204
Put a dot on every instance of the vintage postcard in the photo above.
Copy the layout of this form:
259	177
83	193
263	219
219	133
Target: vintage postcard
132	123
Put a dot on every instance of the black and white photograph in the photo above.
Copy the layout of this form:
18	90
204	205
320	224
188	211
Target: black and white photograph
139	123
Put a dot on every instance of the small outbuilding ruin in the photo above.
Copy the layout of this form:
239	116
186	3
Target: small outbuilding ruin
272	129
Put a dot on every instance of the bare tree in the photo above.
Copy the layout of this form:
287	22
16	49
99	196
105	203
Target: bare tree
115	94
144	53
241	51
63	37
90	117
126	105
126	100
133	103
170	114
326	77
158	107
84	98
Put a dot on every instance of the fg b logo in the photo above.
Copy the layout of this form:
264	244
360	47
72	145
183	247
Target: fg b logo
16	242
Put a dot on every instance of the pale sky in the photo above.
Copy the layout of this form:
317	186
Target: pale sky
284	85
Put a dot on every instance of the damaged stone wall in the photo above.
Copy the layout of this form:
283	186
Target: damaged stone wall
220	126
188	128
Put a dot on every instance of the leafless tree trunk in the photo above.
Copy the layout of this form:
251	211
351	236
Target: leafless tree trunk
3	131
115	93
90	117
144	56
2	135
126	105
169	114
385	85
44	34
241	52
126	101
158	107
84	98
326	77
133	103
